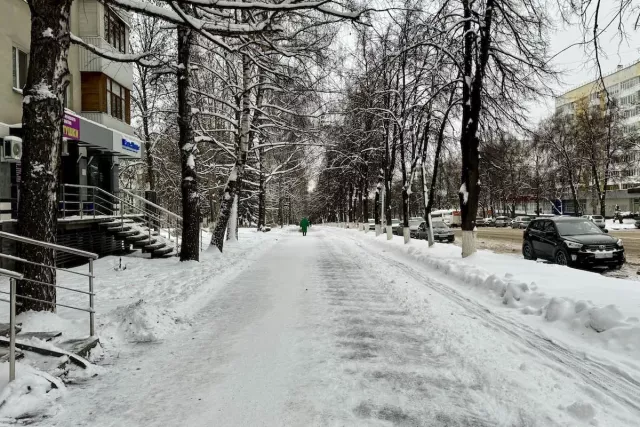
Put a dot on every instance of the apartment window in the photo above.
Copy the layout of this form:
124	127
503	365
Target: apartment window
20	66
115	99
628	84
114	30
613	90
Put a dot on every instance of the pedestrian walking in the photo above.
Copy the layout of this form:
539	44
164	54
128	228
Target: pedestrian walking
304	224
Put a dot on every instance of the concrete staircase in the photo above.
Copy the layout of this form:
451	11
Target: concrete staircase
138	236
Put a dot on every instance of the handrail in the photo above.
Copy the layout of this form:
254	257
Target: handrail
89	255
12	275
15	258
22	239
168	212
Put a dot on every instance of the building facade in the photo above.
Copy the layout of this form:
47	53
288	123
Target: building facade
624	85
97	124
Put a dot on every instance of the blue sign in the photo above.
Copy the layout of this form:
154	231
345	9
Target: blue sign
130	145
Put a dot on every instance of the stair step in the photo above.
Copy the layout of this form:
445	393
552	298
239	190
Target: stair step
144	243
155	246
163	251
116	222
125	234
118	228
137	238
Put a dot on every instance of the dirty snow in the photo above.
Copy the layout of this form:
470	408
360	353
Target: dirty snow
627	224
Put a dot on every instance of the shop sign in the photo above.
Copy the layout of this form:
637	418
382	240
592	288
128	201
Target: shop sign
71	127
130	145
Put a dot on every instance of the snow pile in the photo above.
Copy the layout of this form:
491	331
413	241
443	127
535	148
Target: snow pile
142	322
601	309
33	393
627	224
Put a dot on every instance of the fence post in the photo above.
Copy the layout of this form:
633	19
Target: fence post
64	204
12	330
92	314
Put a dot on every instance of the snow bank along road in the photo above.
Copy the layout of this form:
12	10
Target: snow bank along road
326	330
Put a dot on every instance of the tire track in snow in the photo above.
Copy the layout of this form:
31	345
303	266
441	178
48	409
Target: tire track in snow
389	353
620	388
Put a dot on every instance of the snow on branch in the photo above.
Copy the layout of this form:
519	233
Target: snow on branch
140	58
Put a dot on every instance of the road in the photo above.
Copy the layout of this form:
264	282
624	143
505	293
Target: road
510	240
328	330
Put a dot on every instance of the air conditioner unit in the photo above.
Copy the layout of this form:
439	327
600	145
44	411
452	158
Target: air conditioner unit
11	149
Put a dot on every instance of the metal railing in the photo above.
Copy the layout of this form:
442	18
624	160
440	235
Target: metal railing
90	276
90	201
12	275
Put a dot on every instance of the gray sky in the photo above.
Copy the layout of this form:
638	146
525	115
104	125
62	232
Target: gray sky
578	66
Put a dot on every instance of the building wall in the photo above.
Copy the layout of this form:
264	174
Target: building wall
15	31
15	26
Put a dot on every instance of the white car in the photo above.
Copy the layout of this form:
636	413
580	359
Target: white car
395	224
596	219
372	224
502	221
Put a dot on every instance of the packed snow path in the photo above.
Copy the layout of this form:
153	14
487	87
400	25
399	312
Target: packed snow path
322	330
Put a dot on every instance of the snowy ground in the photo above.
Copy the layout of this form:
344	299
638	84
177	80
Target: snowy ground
627	224
340	328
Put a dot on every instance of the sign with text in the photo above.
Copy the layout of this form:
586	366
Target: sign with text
71	127
130	145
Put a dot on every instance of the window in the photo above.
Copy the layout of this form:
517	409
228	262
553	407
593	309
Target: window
114	30
115	99
629	99
628	84
67	97
548	227
20	66
613	90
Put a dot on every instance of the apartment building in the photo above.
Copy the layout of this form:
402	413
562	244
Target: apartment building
97	125
624	85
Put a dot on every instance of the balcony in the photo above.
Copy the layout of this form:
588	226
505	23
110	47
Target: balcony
121	73
108	121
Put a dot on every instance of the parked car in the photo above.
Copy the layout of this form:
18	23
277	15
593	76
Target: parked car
372	224
480	222
441	232
596	219
414	224
502	221
395	223
637	223
489	222
573	242
520	222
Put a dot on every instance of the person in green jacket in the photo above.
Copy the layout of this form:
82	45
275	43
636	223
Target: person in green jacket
304	224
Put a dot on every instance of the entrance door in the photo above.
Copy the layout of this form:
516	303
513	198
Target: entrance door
99	172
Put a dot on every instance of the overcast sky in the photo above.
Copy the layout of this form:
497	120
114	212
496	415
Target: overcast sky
578	66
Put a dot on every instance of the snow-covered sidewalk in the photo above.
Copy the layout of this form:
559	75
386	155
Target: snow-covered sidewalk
338	329
138	300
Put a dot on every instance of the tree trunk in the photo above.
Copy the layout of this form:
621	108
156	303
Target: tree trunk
262	209
234	181
151	178
365	203
471	108
190	247
42	117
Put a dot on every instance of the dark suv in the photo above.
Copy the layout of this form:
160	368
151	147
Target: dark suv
573	242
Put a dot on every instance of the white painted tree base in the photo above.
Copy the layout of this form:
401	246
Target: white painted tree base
389	232
378	230
468	243
406	233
